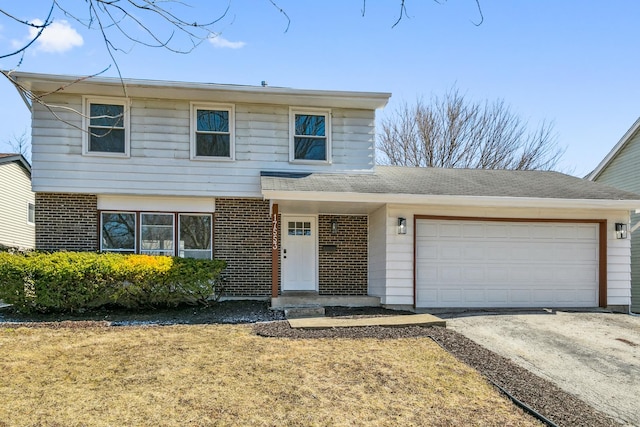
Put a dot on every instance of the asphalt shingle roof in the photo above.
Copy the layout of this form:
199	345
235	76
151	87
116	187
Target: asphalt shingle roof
449	182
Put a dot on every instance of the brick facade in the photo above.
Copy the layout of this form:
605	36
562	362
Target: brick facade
342	257
66	222
242	237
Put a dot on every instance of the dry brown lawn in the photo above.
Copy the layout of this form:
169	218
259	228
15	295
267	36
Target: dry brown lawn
225	375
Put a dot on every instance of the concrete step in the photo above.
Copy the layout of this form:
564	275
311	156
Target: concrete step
304	312
301	300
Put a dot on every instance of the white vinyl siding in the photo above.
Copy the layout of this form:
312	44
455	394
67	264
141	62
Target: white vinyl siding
160	161
15	229
377	253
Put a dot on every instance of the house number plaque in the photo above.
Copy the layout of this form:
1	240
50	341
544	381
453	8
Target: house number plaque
274	233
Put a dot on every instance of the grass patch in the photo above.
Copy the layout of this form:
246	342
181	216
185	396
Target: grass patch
225	375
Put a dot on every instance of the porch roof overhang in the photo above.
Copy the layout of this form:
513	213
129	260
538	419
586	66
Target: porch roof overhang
370	202
363	193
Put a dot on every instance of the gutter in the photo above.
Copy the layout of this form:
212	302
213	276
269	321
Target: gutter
448	200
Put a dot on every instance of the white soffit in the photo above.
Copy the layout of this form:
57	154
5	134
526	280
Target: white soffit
138	88
156	204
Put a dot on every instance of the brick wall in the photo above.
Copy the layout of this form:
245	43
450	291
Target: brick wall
66	222
242	237
343	271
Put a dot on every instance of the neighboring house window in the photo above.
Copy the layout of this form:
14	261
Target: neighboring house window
118	232
31	213
195	236
212	132
156	234
310	135
106	127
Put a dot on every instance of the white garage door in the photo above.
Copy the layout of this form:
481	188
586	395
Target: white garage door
504	264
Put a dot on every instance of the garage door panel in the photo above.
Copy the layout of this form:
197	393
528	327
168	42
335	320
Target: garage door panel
496	231
451	295
501	264
497	296
450	230
473	231
473	275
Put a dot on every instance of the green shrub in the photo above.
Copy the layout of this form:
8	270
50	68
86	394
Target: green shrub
74	281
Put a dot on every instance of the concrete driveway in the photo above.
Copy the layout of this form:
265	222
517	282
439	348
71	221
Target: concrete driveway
593	355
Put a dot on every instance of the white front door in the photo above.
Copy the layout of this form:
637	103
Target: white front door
299	270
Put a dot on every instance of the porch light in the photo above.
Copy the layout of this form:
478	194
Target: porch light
402	225
334	226
621	230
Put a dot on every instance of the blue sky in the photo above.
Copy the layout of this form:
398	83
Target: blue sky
571	62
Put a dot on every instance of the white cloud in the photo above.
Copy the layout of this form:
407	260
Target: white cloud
218	41
58	37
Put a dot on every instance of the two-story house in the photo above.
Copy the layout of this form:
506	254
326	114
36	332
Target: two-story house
282	184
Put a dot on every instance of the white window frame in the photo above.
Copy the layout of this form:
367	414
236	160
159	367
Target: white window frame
29	204
326	112
193	127
180	248
173	234
135	232
86	108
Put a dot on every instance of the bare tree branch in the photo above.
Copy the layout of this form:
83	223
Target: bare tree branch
453	132
41	28
21	144
481	15
403	10
283	12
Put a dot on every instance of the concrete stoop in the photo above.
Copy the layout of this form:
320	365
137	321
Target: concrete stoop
310	299
304	312
300	305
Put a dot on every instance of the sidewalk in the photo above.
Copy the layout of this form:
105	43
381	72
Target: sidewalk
343	322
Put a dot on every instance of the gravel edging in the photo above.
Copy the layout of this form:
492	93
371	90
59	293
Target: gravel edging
558	406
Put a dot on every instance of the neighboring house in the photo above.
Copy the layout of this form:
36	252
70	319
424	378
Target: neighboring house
17	203
621	168
282	184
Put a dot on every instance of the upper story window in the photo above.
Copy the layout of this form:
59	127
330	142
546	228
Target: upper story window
106	126
310	135
212	132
